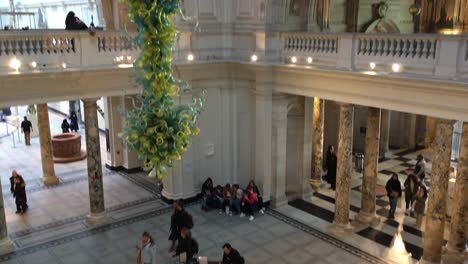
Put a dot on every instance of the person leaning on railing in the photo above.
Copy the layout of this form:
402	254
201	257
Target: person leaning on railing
72	22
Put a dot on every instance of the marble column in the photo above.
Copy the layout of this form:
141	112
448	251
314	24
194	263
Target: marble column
48	171
93	151
384	148
306	190
436	209
344	168
430	132
371	159
278	150
5	243
317	143
459	223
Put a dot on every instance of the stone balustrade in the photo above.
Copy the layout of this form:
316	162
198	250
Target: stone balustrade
442	56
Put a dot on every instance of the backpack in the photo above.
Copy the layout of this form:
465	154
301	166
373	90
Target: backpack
194	246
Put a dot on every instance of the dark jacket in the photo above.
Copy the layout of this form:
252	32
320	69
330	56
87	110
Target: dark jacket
410	191
206	188
65	127
74	122
18	190
331	167
393	186
179	220
233	257
75	24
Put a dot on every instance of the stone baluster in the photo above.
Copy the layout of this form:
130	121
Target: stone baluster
93	152
317	142
459	222
371	159
436	210
48	171
344	168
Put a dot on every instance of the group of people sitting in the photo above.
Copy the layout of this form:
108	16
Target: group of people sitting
232	199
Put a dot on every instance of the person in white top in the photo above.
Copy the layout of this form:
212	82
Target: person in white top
147	252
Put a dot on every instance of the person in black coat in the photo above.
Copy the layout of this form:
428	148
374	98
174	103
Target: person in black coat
231	255
331	166
180	219
65	126
18	189
393	188
208	193
73	122
72	22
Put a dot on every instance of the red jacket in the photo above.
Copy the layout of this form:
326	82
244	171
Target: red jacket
251	197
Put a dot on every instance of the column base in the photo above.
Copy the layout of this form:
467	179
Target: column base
6	246
367	218
315	183
307	194
97	219
341	229
278	202
451	255
50	180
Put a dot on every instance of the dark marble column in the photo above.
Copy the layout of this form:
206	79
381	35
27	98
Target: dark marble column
435	216
459	223
93	151
317	143
48	171
371	159
344	168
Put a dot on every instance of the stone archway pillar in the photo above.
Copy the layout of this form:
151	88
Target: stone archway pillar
48	171
317	142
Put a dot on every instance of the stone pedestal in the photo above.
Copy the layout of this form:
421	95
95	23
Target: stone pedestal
384	148
48	171
344	168
459	222
317	143
278	150
95	182
371	159
436	209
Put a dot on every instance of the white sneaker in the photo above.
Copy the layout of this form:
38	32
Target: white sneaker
230	214
242	215
251	218
220	211
262	211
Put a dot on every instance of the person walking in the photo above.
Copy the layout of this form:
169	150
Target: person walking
65	126
180	219
393	188
147	251
420	204
73	122
231	255
187	245
331	167
26	128
18	189
411	188
420	168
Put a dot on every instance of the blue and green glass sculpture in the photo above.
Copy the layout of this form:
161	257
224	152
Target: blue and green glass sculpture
158	129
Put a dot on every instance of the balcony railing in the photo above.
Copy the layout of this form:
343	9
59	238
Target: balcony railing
441	56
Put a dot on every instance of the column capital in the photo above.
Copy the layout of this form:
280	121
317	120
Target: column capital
445	121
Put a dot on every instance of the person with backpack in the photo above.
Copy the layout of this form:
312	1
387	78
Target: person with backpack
231	255
187	245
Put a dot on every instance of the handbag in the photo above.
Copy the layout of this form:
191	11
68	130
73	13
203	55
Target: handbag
139	257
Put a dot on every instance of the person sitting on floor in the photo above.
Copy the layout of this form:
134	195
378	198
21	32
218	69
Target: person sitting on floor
249	203
218	194
238	196
260	198
227	199
209	200
231	255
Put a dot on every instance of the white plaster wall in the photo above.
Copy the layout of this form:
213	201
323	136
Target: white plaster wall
294	153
